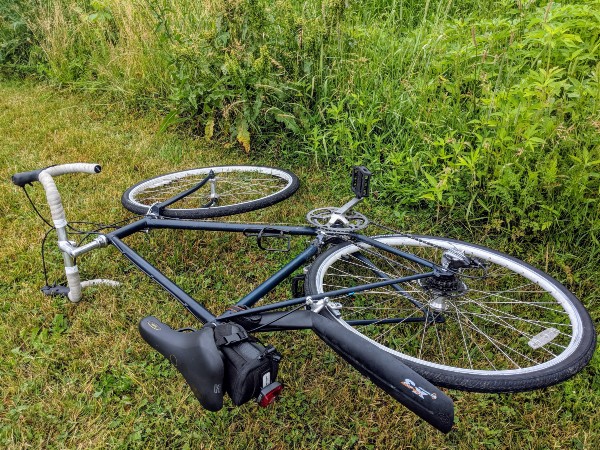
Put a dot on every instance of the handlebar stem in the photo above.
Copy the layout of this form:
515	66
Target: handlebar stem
74	251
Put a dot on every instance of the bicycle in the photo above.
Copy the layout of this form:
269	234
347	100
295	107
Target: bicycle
408	312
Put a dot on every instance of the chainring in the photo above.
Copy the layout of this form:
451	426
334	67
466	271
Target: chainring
345	223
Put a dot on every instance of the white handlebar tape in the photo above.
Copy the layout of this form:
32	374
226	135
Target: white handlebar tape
63	169
58	215
74	283
54	200
52	195
98	281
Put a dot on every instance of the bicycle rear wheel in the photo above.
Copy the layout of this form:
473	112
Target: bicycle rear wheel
503	327
235	190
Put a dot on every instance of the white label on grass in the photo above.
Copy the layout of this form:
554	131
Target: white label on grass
541	339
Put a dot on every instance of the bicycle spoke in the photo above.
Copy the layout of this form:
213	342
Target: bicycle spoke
423	335
524	303
487	324
541	324
528	336
462	333
230	186
442	352
467	351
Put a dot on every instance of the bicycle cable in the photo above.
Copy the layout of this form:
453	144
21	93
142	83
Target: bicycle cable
100	226
44	257
270	224
35	209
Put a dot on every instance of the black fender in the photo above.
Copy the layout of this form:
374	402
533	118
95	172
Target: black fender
387	372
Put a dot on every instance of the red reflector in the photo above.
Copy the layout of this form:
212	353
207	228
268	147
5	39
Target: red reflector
269	393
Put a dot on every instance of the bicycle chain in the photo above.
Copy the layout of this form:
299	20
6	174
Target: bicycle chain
400	233
429	244
397	233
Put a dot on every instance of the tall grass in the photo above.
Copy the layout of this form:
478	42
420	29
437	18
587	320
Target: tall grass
486	111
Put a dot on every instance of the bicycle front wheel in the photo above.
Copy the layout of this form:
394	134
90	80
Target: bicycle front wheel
234	190
500	326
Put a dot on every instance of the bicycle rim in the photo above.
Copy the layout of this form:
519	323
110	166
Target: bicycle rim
510	321
235	189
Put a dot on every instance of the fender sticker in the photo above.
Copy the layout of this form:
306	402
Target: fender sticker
410	384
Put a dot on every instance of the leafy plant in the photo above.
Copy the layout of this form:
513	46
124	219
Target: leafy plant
15	35
486	112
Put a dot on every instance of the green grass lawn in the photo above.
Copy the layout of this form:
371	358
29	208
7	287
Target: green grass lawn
79	376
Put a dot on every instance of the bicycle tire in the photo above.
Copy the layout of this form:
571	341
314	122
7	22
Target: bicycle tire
267	186
487	338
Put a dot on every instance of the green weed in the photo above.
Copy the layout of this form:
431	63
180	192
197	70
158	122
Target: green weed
487	113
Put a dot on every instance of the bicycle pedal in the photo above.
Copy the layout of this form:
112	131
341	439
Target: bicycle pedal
361	181
55	290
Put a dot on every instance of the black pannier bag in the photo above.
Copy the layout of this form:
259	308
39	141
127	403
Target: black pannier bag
249	365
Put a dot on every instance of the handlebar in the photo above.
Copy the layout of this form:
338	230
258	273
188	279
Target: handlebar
45	177
23	178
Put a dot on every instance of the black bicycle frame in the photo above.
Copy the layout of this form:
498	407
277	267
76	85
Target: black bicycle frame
246	304
199	357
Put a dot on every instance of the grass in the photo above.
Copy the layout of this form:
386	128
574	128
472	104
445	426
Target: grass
79	376
487	111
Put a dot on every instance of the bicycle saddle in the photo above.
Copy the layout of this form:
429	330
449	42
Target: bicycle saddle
194	354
